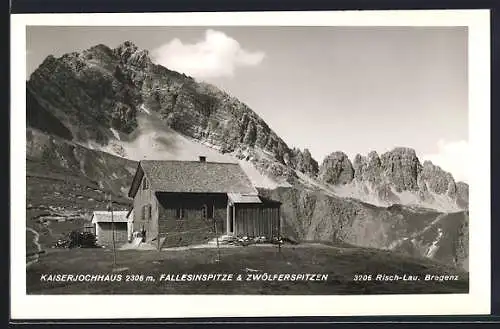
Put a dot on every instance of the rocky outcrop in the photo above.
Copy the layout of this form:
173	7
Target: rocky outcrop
434	179
130	54
367	169
85	94
462	194
336	169
303	162
401	167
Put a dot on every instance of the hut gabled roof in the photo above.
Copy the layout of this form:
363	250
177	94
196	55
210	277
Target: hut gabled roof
192	177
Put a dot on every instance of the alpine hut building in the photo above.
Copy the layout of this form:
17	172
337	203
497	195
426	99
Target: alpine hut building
108	226
183	202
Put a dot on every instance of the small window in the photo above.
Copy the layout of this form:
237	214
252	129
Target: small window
146	212
179	213
145	184
207	212
204	212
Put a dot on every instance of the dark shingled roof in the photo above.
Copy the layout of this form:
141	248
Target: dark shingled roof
195	176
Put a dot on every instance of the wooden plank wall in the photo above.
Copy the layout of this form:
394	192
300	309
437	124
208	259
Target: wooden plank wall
257	221
191	229
106	233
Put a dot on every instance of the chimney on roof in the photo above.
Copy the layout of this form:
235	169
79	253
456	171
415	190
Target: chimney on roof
203	158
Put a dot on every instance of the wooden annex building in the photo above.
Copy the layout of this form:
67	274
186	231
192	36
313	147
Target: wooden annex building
183	202
103	224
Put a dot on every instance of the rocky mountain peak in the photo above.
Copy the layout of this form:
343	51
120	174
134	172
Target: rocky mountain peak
304	162
125	49
373	157
462	194
102	88
403	150
130	54
436	180
336	169
99	48
367	169
401	166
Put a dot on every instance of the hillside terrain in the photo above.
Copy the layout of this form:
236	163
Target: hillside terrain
92	115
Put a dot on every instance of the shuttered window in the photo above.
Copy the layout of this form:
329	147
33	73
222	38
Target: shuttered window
207	212
179	213
204	212
146	212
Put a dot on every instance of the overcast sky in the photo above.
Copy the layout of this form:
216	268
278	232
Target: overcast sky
353	89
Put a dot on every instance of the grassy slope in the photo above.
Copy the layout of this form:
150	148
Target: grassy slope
340	263
54	192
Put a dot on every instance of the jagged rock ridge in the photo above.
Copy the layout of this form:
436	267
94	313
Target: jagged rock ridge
394	173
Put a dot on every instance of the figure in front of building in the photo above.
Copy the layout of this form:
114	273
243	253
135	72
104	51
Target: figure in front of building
143	234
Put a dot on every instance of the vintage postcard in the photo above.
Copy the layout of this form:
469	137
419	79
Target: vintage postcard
250	164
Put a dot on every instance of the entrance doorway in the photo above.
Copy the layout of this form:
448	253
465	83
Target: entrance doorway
230	220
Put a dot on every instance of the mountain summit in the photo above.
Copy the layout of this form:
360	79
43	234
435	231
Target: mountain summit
100	91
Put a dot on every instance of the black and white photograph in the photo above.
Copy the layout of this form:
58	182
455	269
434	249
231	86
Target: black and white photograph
269	160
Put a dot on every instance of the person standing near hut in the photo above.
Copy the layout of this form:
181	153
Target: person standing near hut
143	234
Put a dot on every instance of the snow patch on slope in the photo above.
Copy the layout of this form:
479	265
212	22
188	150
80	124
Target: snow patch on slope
154	141
313	184
115	133
361	192
429	200
258	179
434	247
144	109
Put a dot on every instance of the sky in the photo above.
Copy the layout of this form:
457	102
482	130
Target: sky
350	89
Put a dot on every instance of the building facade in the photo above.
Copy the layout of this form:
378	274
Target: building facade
106	224
190	202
